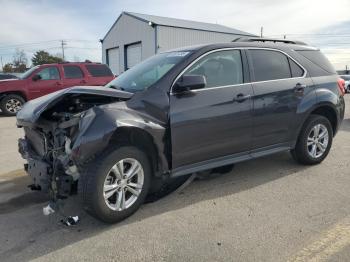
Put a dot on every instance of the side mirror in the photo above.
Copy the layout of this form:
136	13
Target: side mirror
190	82
36	77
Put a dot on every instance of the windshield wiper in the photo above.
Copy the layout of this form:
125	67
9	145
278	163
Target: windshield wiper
116	87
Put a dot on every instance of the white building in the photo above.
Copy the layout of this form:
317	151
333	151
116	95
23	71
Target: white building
135	37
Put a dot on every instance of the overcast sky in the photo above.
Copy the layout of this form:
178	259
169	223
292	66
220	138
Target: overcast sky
40	24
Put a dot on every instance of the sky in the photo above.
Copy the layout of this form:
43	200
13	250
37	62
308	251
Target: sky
32	25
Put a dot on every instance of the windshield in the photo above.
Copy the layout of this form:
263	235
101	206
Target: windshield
28	72
145	74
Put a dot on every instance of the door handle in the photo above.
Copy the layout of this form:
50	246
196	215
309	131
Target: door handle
58	83
82	82
299	88
241	98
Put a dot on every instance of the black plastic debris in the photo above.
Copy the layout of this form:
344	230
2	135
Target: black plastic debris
70	221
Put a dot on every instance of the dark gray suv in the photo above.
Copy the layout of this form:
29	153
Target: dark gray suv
180	112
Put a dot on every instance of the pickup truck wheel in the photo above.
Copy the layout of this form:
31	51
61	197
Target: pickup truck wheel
11	104
116	184
314	142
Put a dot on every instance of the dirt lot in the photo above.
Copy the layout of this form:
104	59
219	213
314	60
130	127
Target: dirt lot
269	209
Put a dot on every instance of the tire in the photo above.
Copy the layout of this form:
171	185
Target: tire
303	152
11	104
98	174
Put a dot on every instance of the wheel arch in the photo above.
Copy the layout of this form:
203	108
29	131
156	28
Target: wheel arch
140	138
19	93
327	110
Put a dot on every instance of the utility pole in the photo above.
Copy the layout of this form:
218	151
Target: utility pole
2	64
285	36
63	43
261	31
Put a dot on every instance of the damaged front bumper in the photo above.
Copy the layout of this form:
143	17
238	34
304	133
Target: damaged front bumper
50	179
55	128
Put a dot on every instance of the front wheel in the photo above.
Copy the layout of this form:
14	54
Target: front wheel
314	142
11	104
115	185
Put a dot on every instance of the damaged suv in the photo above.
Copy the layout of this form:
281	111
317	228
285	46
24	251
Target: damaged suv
180	112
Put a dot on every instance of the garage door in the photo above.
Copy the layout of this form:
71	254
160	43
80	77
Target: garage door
133	55
113	60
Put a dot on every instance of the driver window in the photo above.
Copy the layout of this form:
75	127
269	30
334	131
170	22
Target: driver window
49	73
222	68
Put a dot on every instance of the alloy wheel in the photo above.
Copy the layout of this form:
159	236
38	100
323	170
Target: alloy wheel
13	105
123	184
317	141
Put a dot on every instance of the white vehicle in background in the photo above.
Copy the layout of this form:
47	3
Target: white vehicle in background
347	82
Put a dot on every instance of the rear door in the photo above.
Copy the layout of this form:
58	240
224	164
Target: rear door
72	76
279	86
210	122
50	81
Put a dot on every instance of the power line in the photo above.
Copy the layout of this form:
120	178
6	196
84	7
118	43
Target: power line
11	46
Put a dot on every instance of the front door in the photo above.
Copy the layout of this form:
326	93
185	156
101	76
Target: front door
49	81
216	120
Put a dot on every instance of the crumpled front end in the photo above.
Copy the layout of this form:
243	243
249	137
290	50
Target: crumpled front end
47	150
50	136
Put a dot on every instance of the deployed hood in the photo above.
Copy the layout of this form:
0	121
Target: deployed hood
33	109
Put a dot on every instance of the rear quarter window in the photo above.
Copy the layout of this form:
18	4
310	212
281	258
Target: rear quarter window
317	58
99	70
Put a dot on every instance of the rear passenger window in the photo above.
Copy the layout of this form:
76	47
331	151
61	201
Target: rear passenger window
99	70
269	65
297	71
72	72
316	57
222	68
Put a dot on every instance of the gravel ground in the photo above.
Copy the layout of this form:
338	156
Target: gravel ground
269	209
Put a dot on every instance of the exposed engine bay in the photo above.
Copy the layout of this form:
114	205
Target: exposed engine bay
47	145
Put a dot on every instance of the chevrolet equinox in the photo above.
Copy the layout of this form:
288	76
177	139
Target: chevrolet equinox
180	112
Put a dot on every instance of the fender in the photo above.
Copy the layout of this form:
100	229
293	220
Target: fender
323	99
100	124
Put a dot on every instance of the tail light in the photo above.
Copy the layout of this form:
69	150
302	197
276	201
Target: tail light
341	86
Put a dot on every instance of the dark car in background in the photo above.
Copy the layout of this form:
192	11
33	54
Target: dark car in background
4	76
180	112
45	79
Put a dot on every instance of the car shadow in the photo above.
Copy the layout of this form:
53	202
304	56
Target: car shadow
27	234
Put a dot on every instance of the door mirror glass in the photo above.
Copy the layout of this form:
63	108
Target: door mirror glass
189	82
36	77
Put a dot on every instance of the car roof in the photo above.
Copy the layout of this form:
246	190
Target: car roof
73	63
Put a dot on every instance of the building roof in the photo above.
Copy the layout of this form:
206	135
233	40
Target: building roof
181	23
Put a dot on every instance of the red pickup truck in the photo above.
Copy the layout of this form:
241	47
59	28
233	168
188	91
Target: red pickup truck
44	79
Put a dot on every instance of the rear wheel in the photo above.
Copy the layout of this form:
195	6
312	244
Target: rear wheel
115	185
314	142
11	104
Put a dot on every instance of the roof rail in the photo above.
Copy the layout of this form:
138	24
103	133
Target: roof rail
259	39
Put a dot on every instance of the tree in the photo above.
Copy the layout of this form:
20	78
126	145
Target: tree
43	57
19	61
8	68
